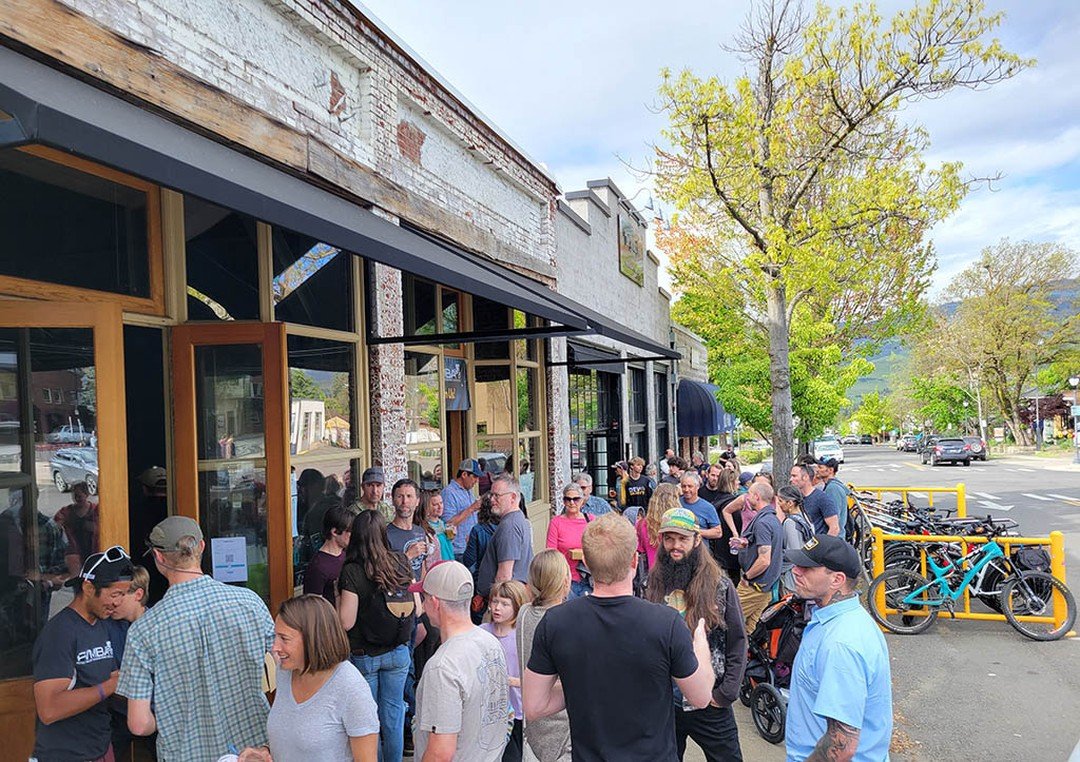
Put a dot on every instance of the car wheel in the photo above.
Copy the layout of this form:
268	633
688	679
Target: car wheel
967	462
60	482
91	484
933	461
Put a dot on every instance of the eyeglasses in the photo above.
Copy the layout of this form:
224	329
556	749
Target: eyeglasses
112	555
572	499
497	495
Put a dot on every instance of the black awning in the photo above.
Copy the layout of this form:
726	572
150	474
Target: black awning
51	108
588	357
698	411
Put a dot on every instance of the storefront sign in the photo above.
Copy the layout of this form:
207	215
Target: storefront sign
456	384
631	250
229	555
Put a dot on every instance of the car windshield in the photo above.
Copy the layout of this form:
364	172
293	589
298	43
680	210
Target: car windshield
950	441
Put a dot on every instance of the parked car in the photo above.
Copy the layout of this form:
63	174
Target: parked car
68	434
850	439
946	450
70	465
908	443
866	439
827	448
978	447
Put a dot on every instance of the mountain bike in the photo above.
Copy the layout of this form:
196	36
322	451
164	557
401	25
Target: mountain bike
1028	599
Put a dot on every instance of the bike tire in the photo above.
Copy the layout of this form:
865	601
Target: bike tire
1031	593
907	619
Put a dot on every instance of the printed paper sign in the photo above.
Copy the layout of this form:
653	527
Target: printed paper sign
229	555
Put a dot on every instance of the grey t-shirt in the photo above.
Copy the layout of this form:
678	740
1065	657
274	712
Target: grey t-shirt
403	539
320	727
465	690
763	530
512	540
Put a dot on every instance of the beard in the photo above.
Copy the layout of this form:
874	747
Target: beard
676	575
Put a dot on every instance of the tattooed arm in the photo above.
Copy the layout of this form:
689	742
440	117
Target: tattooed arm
837	745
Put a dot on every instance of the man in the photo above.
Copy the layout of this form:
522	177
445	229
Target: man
687	578
817	508
199	654
676	467
835	492
646	646
697	462
372	489
459	504
636	489
462	702
841	686
404	536
668	453
711	490
594	506
75	669
510	551
761	554
79	520
703	510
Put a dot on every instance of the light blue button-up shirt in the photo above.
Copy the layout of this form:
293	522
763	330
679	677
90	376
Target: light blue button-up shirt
841	671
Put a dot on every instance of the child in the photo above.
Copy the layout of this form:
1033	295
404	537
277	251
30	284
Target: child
504	602
430	517
130	608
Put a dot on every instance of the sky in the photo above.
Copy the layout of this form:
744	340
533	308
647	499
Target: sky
574	84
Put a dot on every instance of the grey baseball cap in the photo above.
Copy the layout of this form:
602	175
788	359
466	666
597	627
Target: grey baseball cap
167	534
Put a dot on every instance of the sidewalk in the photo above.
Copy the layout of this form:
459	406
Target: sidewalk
1055	462
754	747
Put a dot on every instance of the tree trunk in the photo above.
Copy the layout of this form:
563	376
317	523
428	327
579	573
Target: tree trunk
780	377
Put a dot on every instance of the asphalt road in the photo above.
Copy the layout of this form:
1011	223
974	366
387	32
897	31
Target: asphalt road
976	690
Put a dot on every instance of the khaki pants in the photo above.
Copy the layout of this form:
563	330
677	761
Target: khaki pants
752	603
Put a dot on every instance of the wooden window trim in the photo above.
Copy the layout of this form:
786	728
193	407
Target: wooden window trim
155	303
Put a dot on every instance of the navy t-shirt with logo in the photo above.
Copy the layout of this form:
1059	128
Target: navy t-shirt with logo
71	648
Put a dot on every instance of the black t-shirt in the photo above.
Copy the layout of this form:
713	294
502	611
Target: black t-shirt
355	580
712	495
621	706
638	491
71	648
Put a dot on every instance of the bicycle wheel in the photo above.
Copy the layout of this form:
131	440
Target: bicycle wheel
1032	594
904	618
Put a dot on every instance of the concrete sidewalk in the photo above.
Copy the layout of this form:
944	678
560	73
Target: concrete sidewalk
754	747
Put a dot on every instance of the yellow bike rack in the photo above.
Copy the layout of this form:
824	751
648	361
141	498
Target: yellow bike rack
960	490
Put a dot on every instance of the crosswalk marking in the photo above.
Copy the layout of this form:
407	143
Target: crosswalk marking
1035	497
987	495
1066	498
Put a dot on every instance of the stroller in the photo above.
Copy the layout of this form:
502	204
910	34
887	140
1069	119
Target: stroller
772	648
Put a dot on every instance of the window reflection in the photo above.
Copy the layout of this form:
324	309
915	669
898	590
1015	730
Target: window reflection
229	390
320	394
419	306
232	504
492	405
527	396
423	400
222	262
490	316
312	282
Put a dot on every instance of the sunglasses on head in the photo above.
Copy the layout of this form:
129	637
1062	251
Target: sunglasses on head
112	555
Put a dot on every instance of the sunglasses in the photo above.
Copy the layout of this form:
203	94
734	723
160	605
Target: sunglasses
572	499
112	555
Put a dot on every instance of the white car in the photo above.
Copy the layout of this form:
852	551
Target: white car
827	448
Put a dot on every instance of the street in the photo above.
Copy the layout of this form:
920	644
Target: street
965	689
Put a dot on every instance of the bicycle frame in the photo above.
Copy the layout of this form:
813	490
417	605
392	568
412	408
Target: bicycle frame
988	553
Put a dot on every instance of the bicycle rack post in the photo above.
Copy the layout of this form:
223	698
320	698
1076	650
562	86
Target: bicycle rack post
961	500
877	554
1057	568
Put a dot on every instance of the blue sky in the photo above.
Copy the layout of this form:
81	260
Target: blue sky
574	85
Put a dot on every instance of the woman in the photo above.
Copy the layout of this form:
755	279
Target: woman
486	521
323	709
547	739
797	530
429	516
664	498
728	495
564	535
378	612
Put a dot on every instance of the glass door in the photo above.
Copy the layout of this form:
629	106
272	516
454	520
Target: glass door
63	485
231	434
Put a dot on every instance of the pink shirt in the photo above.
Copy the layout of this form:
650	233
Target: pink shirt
564	534
643	544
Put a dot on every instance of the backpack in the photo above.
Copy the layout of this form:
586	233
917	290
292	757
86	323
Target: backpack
387	619
806	530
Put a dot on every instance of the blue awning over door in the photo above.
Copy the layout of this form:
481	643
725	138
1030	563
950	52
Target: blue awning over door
700	414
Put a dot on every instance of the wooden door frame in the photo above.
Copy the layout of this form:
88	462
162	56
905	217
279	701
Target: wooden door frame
106	322
271	338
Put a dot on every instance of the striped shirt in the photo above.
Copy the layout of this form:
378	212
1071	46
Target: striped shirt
199	654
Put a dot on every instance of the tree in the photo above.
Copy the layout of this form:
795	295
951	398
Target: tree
302	386
873	414
1007	323
805	175
941	402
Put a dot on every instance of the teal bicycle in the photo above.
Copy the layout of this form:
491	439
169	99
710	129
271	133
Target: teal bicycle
903	601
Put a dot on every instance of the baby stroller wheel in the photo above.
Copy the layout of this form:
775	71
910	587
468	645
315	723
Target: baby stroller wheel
745	690
768	708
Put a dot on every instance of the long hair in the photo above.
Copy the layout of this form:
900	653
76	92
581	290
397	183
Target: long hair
325	643
664	498
549	578
369	547
729	481
703	600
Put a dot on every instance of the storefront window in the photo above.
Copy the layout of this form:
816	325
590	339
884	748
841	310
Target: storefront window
222	262
528	467
527	396
423	420
493	402
65	226
320	395
230	399
312	282
490	316
419	306
660	379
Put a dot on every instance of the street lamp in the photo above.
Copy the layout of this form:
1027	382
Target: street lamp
1074	382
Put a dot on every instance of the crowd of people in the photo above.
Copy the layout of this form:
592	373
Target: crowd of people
429	626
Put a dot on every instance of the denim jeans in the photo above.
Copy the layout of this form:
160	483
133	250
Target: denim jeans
385	676
579	590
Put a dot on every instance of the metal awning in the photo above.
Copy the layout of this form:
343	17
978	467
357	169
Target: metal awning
48	107
589	357
698	411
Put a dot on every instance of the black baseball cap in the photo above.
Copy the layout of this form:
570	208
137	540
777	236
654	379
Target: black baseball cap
114	565
828	551
832	463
